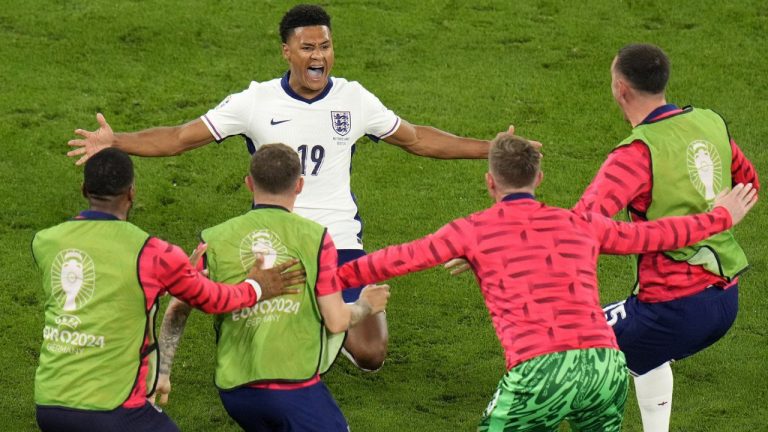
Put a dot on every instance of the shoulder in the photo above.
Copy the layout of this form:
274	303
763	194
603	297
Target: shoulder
256	89
156	246
304	223
347	87
630	151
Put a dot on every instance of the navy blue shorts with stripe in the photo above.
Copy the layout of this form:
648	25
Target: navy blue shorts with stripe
308	409
144	419
651	334
350	295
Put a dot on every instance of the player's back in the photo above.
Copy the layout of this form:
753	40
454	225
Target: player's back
537	271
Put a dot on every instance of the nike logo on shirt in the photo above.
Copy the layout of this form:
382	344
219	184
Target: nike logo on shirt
273	122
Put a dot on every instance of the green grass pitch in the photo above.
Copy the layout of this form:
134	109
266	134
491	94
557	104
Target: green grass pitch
471	68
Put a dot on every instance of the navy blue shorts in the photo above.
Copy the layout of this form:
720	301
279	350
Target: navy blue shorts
651	334
308	409
146	418
350	295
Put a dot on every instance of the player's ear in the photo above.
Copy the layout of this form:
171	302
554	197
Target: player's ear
249	183
490	184
539	179
286	52
299	185
625	91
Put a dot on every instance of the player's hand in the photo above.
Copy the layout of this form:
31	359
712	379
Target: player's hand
457	266
194	257
738	201
511	131
162	390
93	142
376	296
276	280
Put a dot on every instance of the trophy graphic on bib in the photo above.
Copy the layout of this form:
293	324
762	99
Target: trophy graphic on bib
264	243
705	169
73	277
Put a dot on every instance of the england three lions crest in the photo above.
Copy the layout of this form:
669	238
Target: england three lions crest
341	121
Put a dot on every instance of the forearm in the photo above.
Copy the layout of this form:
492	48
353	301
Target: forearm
174	321
358	311
215	298
174	271
164	141
339	316
432	250
435	143
439	144
664	234
160	141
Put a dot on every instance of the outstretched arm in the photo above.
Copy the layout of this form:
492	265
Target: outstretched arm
160	141
174	273
432	142
429	251
671	233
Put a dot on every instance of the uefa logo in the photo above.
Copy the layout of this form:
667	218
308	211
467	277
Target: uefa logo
73	278
265	243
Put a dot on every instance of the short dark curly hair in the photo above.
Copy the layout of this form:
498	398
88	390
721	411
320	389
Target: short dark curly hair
108	173
303	15
645	66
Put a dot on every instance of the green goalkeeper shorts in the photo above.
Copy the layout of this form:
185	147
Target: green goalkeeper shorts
586	387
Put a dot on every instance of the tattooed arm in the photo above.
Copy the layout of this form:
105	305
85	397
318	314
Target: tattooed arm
174	320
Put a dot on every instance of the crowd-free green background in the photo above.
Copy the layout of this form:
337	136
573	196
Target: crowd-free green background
470	68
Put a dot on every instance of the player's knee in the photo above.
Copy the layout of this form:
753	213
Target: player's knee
371	360
370	356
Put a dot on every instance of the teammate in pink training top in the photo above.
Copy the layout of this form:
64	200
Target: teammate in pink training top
536	266
674	163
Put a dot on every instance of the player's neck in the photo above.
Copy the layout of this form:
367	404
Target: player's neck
286	202
120	212
500	194
642	107
305	92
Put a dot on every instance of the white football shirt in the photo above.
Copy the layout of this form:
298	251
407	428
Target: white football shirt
323	131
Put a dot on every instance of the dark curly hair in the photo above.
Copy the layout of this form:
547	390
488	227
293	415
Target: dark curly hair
303	15
108	173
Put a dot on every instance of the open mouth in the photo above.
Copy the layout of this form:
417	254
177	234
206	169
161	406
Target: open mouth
315	72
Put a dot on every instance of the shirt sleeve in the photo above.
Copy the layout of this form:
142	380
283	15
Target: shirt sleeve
380	122
231	117
166	266
429	251
742	170
669	233
625	175
327	281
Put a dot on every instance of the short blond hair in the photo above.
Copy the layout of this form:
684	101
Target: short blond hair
513	161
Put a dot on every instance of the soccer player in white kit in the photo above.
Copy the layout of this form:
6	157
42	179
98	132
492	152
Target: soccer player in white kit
319	116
